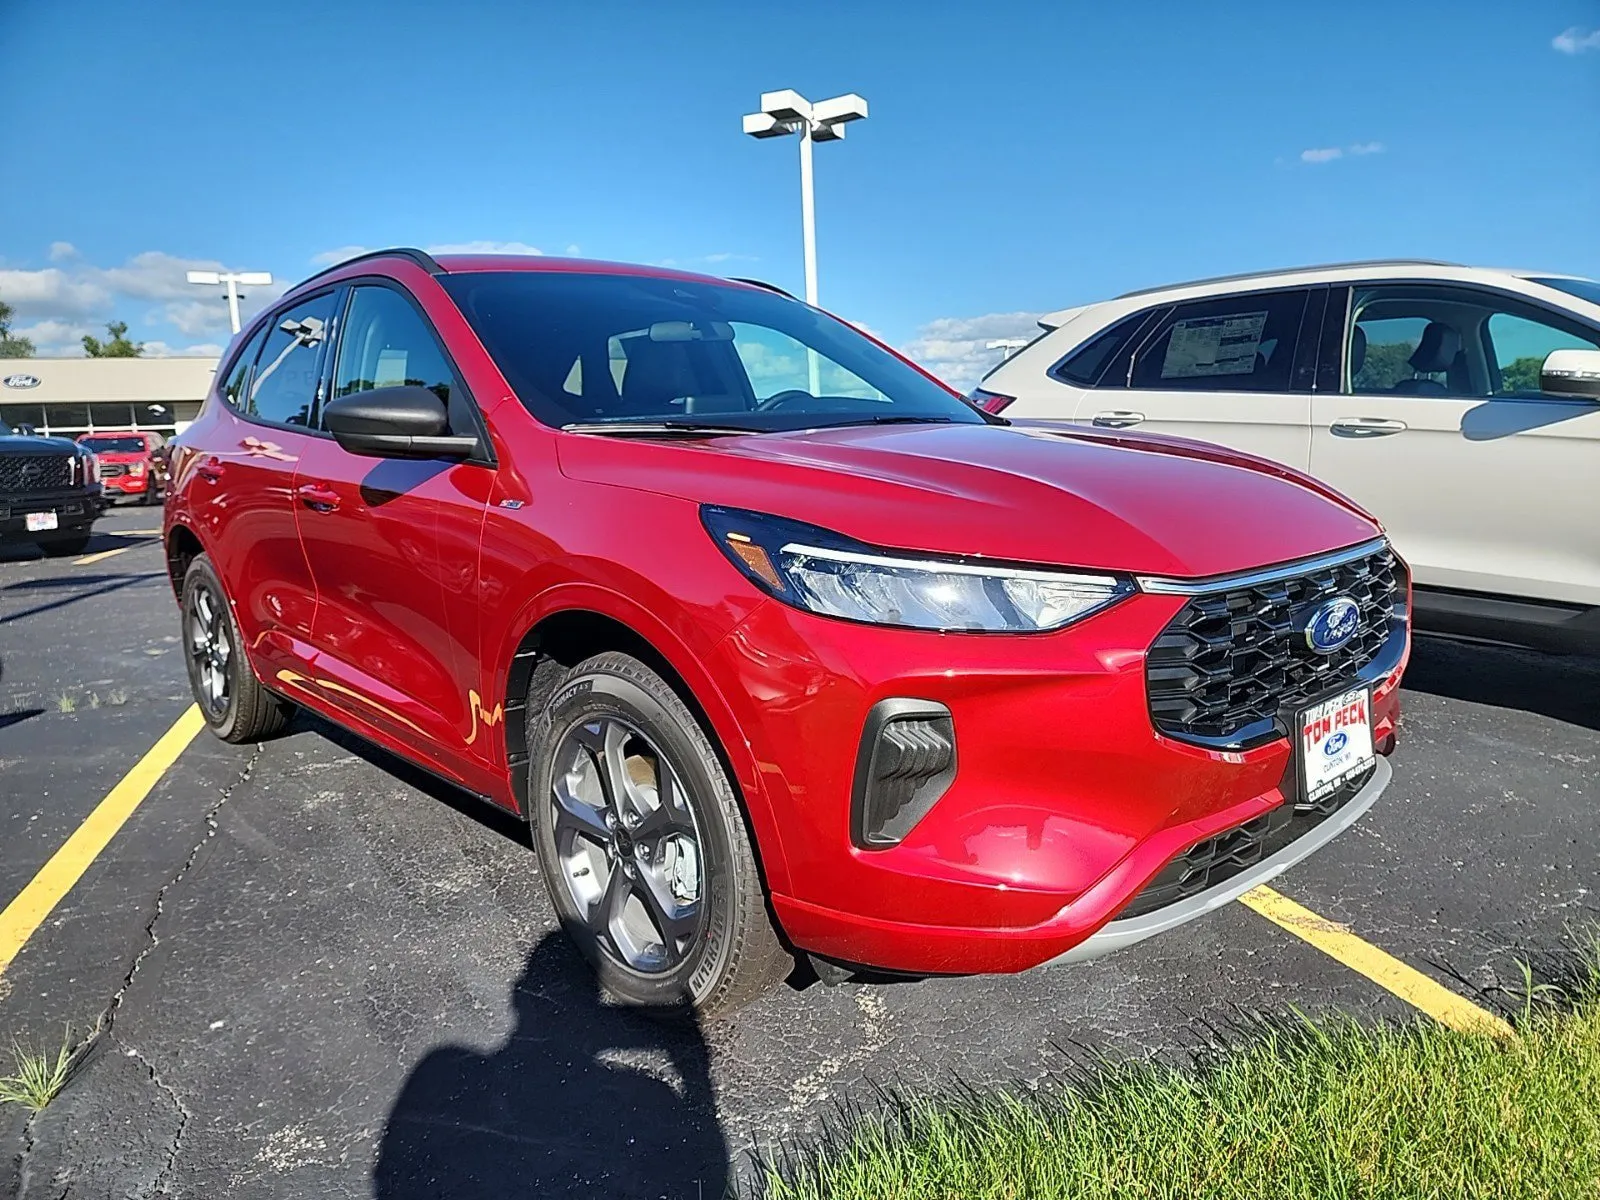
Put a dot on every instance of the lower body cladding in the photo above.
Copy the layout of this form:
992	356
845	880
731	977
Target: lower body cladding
966	803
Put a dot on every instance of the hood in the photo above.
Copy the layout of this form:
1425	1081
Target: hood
16	443
120	456
1057	496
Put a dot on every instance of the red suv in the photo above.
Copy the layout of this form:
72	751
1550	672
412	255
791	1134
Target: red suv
127	463
780	646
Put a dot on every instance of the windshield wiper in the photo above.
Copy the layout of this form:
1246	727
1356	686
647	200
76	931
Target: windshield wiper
900	420
658	428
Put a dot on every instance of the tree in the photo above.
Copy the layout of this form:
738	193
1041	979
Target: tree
1521	375
1387	364
118	347
12	346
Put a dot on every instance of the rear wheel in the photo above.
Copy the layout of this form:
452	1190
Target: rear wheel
229	695
643	845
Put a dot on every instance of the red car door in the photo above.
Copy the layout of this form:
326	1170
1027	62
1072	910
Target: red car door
393	549
243	454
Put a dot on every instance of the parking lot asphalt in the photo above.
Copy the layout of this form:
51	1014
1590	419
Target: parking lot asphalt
319	973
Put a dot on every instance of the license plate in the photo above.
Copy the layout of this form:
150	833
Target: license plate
1335	743
39	522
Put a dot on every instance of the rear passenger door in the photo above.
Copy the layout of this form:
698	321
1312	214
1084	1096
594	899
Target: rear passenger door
1233	370
1437	425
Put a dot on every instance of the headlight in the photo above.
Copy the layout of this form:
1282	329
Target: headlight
136	469
823	572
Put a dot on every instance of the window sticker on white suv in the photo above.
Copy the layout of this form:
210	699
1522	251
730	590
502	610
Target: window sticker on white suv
1224	345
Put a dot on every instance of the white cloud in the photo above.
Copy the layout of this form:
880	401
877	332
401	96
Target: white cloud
1576	40
61	251
159	349
573	251
1322	154
52	292
328	257
58	339
956	348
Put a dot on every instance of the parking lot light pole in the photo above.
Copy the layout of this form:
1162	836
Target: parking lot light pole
786	112
232	281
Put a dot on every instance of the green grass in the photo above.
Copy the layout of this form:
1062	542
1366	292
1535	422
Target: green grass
1327	1111
37	1079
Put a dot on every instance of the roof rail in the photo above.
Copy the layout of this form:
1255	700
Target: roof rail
420	257
762	283
1333	266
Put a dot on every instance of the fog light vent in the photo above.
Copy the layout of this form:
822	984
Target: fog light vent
906	762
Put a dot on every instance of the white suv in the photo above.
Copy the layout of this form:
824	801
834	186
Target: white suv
1460	405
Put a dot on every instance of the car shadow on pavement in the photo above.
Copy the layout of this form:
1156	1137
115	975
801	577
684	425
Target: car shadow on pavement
1561	687
583	1098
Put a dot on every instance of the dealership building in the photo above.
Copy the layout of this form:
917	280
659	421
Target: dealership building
69	396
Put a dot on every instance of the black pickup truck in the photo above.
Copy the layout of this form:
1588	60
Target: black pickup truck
49	492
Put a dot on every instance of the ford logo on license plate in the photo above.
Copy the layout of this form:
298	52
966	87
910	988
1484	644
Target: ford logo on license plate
1332	624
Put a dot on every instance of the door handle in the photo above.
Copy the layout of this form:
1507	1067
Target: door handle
210	470
1367	426
1117	419
318	497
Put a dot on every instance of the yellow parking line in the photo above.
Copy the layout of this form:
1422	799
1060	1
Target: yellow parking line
56	878
99	556
1411	985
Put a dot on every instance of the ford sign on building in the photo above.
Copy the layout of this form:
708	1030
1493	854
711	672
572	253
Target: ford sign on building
68	396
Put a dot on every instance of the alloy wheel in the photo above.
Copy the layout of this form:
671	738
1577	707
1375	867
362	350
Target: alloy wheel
627	843
210	649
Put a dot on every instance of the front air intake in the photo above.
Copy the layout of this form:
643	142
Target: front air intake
906	762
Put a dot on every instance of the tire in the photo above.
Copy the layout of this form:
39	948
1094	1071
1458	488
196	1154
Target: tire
65	547
149	496
244	711
724	950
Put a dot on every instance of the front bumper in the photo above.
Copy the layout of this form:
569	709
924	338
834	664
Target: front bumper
75	511
1066	800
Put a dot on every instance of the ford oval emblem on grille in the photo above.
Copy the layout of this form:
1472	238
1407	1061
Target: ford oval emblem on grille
1332	624
22	381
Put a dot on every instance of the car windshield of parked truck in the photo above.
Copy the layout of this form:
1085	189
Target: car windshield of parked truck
600	350
115	445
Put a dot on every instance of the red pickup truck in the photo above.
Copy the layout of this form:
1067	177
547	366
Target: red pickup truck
128	464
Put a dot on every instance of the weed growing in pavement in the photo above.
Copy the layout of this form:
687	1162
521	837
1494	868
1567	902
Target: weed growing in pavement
94	699
37	1079
1301	1111
66	703
117	697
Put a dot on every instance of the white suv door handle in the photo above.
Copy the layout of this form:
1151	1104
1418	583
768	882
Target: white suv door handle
1367	426
1117	418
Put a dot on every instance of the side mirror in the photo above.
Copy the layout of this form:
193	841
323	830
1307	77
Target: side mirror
394	422
1571	373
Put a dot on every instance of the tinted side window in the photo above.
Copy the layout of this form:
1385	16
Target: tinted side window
1440	340
387	344
283	388
1230	344
233	387
1086	365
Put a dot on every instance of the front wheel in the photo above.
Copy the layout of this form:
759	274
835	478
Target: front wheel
643	846
229	695
65	547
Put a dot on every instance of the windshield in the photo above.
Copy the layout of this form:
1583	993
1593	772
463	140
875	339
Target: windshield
114	445
599	349
1583	289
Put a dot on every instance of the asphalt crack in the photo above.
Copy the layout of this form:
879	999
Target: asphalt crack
105	1023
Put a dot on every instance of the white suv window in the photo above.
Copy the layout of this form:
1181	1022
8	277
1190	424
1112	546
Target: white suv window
1436	340
1242	343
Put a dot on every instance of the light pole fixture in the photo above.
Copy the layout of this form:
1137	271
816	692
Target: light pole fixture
1006	346
232	281
786	112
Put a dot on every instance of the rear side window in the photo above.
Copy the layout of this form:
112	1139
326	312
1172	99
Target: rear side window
233	388
1087	364
283	387
1230	344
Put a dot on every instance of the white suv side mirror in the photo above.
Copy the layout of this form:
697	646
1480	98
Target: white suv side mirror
1571	373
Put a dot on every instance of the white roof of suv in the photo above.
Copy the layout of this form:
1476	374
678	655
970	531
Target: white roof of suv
1345	272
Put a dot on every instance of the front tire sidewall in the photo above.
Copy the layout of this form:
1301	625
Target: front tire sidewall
592	695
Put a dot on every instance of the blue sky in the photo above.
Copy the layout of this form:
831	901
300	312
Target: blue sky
1019	157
